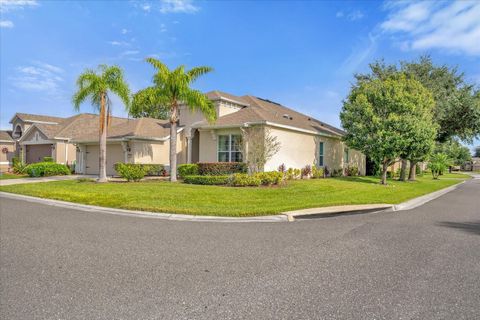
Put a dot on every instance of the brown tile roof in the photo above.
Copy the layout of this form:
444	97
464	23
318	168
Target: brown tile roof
217	95
38	117
6	135
85	126
261	110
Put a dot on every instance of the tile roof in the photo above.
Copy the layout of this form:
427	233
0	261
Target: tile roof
262	110
6	135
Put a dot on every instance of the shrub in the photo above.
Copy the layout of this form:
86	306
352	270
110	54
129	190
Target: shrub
337	172
150	169
306	171
282	168
187	170
293	174
130	171
206	180
326	171
270	178
317	172
19	167
47	159
351	171
438	164
45	169
221	168
244	180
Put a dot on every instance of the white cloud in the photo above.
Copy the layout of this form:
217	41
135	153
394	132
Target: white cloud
452	26
178	6
146	7
124	31
352	15
6	24
38	77
10	5
119	43
129	53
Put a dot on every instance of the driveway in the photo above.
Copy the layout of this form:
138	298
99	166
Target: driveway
8	182
59	263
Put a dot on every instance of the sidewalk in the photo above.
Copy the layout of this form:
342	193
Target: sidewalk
9	182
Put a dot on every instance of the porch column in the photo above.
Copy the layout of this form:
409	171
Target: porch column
126	150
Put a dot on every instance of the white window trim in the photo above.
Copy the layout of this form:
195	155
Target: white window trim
229	151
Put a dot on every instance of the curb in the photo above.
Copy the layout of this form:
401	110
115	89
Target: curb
143	214
416	202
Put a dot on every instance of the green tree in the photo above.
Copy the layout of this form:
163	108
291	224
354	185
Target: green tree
456	152
438	164
170	90
98	85
457	102
476	153
382	116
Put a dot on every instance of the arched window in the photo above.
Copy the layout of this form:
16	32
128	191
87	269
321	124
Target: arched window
18	131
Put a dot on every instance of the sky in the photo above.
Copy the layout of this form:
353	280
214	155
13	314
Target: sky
300	54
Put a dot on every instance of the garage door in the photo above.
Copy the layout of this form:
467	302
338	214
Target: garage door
36	152
114	155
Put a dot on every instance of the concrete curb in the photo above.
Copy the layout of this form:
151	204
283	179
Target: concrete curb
416	202
142	214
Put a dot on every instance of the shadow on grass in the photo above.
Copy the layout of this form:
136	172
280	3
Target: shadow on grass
469	227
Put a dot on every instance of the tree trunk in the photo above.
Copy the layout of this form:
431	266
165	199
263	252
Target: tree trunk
173	144
103	142
384	173
413	171
403	170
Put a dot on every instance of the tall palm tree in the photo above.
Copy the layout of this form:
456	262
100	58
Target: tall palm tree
97	86
170	90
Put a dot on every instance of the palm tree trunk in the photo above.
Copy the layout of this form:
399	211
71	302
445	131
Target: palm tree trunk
103	142
403	170
413	171
173	144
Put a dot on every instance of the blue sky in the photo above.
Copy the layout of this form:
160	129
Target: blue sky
301	54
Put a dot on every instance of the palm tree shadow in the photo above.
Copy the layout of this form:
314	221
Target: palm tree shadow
469	227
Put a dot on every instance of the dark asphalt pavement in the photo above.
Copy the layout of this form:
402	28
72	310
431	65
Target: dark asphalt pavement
59	263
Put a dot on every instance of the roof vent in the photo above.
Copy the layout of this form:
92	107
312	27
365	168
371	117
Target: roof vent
286	116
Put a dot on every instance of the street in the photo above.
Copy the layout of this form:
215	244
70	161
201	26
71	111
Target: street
59	263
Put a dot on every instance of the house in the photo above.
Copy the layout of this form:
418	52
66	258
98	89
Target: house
8	150
303	139
472	165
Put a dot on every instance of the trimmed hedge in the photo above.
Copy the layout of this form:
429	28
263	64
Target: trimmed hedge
270	178
221	168
184	170
244	180
150	169
206	180
46	169
130	171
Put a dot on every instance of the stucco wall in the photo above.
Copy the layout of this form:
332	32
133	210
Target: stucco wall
65	153
158	152
187	118
6	158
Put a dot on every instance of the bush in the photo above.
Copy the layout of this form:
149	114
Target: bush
150	169
131	171
19	167
187	170
244	180
293	174
438	164
351	171
206	180
306	171
337	172
282	168
270	178
317	172
45	169
221	168
47	159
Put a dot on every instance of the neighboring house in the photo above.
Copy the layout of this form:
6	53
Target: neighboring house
304	140
472	165
7	149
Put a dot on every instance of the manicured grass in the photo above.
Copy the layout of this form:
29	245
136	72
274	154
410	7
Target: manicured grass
161	196
4	176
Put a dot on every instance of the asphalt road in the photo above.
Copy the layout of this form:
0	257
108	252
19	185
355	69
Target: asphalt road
59	263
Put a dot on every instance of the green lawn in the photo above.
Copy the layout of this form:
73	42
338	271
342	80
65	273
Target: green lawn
161	196
4	176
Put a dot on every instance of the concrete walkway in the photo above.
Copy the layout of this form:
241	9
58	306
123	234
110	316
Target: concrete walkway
9	182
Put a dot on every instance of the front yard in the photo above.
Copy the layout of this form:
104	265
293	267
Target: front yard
160	196
5	176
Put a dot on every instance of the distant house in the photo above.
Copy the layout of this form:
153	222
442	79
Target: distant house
472	165
304	140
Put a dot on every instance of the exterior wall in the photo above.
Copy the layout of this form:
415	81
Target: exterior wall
188	118
64	152
6	158
224	108
208	143
114	154
158	152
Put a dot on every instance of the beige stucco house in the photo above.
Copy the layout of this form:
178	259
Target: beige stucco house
303	139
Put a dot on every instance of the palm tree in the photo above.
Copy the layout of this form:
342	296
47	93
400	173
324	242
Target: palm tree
170	90
97	86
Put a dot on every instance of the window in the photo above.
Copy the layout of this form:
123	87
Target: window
18	132
346	155
229	148
320	154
